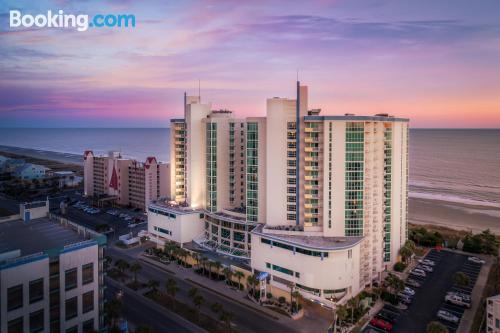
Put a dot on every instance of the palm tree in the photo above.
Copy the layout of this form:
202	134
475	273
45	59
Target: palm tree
198	301
196	258
210	264
216	307
122	265
352	303
436	327
405	253
203	262
113	310
193	292
252	281
239	275
135	268
107	261
394	283
228	273
218	266
297	296
172	289
153	286
341	313
226	317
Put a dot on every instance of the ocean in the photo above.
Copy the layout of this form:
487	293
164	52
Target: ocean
458	166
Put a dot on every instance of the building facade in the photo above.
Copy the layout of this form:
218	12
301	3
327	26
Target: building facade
493	314
125	181
317	202
51	275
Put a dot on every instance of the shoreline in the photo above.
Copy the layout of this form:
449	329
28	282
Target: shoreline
422	211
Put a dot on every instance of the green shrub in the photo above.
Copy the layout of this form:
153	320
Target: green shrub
399	267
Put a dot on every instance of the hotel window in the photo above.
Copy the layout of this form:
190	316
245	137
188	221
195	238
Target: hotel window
36	290
15	297
88	273
70	279
88	326
88	301
36	321
73	329
71	308
15	325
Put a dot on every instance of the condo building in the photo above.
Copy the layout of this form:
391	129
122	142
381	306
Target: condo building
317	203
493	314
51	274
123	181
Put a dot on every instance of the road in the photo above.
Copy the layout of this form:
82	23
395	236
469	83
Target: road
245	318
139	310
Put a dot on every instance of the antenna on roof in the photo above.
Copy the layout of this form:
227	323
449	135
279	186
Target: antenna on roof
199	89
297	74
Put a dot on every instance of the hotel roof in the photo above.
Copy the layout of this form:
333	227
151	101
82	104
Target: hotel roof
357	118
35	236
311	242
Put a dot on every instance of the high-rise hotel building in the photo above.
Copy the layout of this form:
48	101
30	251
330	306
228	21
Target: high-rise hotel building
318	202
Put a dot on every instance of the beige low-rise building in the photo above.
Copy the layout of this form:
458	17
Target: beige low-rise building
493	314
125	181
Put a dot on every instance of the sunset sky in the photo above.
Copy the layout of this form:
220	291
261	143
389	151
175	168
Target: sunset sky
436	62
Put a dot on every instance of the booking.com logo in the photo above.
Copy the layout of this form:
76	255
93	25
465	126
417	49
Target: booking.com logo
60	20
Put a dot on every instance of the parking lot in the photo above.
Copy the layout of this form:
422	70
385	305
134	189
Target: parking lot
430	296
120	225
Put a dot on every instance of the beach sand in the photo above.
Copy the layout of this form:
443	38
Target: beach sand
454	215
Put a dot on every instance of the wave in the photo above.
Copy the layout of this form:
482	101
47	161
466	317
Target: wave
453	199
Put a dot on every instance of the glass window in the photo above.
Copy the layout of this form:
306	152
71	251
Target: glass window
70	279
88	326
15	325
36	321
88	301
73	329
71	308
36	290
88	273
15	297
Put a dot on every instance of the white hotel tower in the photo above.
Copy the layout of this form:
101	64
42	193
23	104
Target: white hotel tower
318	202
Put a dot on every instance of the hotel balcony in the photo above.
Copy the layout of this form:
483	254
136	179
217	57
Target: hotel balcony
311	168
311	139
311	196
312	149
309	177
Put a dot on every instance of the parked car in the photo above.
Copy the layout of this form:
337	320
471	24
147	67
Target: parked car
464	296
387	316
412	283
418	272
448	316
409	291
457	300
426	268
380	323
405	299
427	262
476	260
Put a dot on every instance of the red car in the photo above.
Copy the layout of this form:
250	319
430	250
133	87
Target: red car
379	323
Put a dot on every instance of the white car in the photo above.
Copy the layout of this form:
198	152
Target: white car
457	300
409	291
418	272
427	262
448	316
476	260
464	296
426	268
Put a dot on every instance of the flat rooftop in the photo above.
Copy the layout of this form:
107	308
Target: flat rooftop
311	242
357	118
175	208
35	236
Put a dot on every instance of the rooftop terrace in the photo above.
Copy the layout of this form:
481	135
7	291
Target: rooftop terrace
310	242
